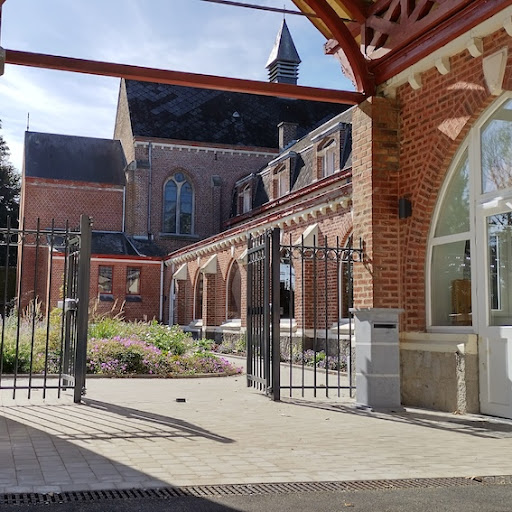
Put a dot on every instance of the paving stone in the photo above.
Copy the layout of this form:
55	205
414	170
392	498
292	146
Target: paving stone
132	434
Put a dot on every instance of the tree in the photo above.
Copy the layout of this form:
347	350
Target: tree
9	187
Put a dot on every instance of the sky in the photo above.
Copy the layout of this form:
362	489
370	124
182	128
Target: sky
179	35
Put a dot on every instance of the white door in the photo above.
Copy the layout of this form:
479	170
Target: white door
494	277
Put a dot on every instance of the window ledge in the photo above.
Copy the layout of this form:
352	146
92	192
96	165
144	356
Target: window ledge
106	297
133	298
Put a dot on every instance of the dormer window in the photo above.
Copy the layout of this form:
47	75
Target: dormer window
281	182
245	200
328	159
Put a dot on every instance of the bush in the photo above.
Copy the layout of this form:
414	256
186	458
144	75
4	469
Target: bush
115	347
122	356
200	363
168	339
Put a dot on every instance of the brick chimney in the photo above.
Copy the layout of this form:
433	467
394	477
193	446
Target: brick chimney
287	134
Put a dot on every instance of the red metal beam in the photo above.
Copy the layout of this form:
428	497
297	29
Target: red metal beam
340	32
434	38
92	67
356	9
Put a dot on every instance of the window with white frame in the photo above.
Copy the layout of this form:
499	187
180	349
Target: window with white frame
281	182
328	159
245	200
475	210
451	252
178	205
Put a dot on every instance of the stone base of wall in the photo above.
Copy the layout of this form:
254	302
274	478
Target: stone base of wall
440	371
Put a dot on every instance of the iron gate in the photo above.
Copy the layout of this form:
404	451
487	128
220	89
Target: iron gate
44	347
263	358
299	324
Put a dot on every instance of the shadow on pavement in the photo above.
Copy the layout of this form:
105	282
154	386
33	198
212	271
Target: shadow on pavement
493	428
38	457
156	421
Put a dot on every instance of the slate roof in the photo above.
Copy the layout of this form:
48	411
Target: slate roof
284	48
65	157
205	115
118	244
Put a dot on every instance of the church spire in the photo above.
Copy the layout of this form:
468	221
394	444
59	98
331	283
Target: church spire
283	62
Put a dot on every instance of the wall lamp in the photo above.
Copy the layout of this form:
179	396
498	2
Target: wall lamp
404	208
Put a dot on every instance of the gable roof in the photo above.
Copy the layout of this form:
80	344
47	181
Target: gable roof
206	115
65	157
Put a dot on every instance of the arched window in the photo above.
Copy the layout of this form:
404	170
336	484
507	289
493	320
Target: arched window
198	297
178	205
234	293
475	211
346	292
451	252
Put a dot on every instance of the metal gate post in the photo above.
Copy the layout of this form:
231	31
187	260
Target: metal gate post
275	314
267	354
84	270
249	315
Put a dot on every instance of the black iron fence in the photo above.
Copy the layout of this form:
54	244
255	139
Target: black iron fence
299	325
263	314
43	339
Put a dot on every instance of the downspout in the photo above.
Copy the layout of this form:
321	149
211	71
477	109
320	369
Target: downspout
150	186
161	313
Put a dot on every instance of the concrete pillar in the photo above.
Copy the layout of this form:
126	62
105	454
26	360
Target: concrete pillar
377	359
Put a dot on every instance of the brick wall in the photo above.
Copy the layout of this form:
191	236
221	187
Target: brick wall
375	200
335	224
435	119
66	200
200	166
148	307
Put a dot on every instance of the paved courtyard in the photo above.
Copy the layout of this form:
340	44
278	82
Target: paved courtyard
140	433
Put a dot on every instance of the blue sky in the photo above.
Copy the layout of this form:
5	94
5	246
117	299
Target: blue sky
181	35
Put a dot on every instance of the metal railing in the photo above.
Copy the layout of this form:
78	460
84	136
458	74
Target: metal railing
299	326
43	339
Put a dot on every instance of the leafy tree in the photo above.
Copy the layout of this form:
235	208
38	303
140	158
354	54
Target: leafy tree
9	187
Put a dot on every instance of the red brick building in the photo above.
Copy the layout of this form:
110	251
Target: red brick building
426	187
168	179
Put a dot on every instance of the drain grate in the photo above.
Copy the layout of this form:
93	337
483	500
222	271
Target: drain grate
209	491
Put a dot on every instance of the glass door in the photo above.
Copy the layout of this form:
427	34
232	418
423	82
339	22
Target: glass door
496	315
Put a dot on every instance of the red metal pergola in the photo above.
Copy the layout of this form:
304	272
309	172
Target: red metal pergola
374	40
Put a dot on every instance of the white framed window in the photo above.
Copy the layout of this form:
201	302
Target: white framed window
327	155
473	211
245	200
283	183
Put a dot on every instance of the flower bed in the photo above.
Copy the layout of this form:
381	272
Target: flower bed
115	348
117	357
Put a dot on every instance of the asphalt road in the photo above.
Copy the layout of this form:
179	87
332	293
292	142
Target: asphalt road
478	498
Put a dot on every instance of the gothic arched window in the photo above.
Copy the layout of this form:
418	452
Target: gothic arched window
178	215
